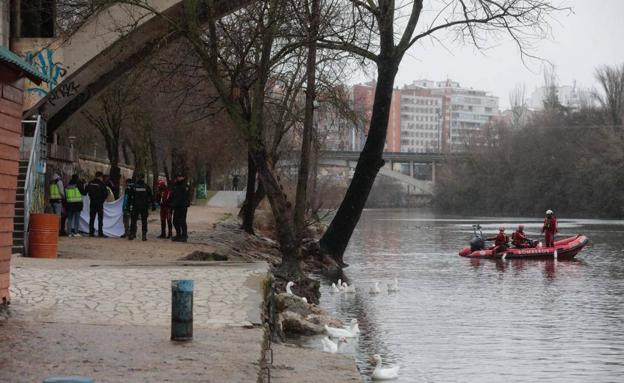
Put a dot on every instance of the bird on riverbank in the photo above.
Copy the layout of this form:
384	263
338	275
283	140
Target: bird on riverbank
375	289
331	347
335	332
393	287
289	291
384	373
355	326
334	289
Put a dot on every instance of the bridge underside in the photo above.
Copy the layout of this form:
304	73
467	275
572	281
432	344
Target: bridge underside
115	53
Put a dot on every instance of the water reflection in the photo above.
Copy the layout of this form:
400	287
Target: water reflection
472	320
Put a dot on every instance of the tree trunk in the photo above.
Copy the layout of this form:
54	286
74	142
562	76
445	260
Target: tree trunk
290	268
301	199
335	240
154	161
248	209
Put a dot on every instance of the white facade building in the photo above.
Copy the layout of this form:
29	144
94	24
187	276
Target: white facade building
420	121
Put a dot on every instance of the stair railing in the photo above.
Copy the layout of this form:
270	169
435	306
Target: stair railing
34	184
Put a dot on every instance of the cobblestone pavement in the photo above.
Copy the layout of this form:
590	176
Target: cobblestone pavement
78	292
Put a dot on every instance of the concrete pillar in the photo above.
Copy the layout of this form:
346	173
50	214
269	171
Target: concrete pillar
433	172
182	310
5	23
411	165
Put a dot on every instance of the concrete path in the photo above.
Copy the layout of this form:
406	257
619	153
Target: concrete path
112	322
227	199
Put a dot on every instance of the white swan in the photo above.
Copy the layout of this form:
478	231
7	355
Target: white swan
339	332
289	291
384	373
375	289
334	289
331	347
348	289
355	326
393	287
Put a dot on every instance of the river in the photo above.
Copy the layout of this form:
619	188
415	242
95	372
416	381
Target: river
463	320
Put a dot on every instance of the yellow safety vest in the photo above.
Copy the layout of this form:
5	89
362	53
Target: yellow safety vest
73	194
55	192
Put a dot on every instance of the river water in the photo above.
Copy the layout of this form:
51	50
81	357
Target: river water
463	320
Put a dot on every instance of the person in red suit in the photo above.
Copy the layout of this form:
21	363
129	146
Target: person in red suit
164	200
550	228
519	238
501	241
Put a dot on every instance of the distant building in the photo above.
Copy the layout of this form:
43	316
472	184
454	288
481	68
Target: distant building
421	118
449	116
569	96
363	99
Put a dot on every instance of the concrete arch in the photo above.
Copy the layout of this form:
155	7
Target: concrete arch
106	47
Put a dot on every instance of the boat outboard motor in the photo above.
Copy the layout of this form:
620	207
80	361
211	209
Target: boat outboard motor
477	242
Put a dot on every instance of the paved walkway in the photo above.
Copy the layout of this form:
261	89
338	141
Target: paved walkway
227	199
112	322
69	291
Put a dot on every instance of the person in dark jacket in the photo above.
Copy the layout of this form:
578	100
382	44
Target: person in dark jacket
164	200
126	207
97	192
73	200
180	201
139	201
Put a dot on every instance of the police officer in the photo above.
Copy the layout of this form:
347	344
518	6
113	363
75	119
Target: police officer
139	201
97	192
180	201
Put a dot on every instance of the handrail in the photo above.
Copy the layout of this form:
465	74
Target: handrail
32	183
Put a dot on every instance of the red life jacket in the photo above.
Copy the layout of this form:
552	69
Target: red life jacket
550	225
518	238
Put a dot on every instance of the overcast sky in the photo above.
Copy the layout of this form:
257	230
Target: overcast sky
591	36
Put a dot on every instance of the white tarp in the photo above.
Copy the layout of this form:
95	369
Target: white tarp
113	218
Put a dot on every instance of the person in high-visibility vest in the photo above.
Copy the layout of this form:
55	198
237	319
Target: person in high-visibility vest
56	194
73	200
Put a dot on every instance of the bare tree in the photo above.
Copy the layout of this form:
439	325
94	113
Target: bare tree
611	99
380	42
517	101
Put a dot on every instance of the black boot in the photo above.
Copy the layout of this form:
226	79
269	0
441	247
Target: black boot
162	230
144	238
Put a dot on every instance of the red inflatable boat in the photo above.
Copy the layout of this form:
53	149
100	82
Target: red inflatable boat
564	249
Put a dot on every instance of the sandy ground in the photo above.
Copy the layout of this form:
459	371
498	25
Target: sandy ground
201	220
32	351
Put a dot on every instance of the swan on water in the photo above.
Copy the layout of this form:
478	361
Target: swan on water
375	289
384	373
331	347
334	289
393	287
347	288
335	332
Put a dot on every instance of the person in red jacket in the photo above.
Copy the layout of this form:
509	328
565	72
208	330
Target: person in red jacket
164	200
501	241
519	238
550	228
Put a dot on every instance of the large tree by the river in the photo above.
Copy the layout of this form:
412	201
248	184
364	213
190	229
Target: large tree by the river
393	27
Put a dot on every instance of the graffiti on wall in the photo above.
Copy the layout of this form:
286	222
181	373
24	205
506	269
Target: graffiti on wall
51	70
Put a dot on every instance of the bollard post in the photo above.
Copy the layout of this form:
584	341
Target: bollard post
182	310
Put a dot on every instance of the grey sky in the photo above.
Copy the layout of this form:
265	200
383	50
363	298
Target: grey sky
590	37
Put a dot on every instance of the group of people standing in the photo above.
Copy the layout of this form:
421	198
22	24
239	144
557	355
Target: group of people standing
66	201
174	202
521	241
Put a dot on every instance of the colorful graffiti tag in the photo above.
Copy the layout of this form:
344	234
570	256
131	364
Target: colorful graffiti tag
53	71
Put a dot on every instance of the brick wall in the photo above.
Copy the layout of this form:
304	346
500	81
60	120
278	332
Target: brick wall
11	98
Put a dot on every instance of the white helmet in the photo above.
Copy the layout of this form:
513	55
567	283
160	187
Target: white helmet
549	212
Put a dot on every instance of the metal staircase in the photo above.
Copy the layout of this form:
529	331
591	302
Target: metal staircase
30	192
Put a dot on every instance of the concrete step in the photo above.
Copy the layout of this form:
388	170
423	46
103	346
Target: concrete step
18	241
19	197
19	204
18	227
19	212
21	177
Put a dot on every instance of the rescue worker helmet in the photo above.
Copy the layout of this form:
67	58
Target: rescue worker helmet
549	212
